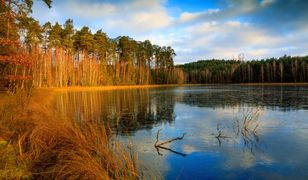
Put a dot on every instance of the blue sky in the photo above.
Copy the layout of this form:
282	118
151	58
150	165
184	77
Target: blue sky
196	29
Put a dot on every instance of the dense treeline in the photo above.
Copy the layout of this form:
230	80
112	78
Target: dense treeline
210	71
59	55
283	69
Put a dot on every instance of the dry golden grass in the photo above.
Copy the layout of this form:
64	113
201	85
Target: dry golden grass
68	150
43	146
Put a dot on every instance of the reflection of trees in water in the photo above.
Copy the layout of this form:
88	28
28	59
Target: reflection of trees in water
283	97
129	110
125	111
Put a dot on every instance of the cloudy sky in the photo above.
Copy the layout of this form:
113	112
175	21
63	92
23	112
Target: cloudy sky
196	29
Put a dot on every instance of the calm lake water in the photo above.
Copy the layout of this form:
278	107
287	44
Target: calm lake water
272	143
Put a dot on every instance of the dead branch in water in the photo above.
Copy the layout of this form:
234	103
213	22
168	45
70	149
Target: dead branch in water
169	141
159	145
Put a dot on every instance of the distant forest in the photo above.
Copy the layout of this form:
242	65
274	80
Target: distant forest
283	69
54	55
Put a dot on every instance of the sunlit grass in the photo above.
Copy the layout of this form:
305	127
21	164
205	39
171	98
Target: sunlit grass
36	144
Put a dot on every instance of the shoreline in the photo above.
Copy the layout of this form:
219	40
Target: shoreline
123	87
110	87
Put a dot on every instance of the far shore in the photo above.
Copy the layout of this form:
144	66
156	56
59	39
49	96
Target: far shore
119	87
276	84
110	87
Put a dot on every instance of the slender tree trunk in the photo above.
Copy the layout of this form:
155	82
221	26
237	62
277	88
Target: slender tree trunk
8	19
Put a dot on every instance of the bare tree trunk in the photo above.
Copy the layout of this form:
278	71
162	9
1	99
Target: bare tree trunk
281	71
8	19
262	73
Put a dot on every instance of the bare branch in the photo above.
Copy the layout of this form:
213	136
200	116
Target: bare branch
159	146
171	140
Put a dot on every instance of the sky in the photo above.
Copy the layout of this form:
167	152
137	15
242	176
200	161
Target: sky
195	29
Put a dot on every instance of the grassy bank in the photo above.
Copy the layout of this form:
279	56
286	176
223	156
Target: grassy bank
34	143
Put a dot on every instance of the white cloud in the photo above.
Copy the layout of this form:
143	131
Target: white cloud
133	16
225	40
140	22
91	10
187	16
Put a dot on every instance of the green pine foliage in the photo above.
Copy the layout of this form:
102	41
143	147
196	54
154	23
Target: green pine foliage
283	69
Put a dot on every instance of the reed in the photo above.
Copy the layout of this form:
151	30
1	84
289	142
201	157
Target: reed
44	146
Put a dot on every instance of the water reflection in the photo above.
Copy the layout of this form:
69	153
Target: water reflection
125	111
219	142
131	110
245	130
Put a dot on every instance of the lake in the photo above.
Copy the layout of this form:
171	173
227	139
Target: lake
231	131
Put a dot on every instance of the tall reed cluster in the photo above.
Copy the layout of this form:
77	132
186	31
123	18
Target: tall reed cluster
42	146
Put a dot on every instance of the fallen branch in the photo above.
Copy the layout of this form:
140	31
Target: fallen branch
159	145
171	140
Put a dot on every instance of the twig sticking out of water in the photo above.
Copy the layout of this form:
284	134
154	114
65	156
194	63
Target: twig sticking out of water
250	128
220	134
157	137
